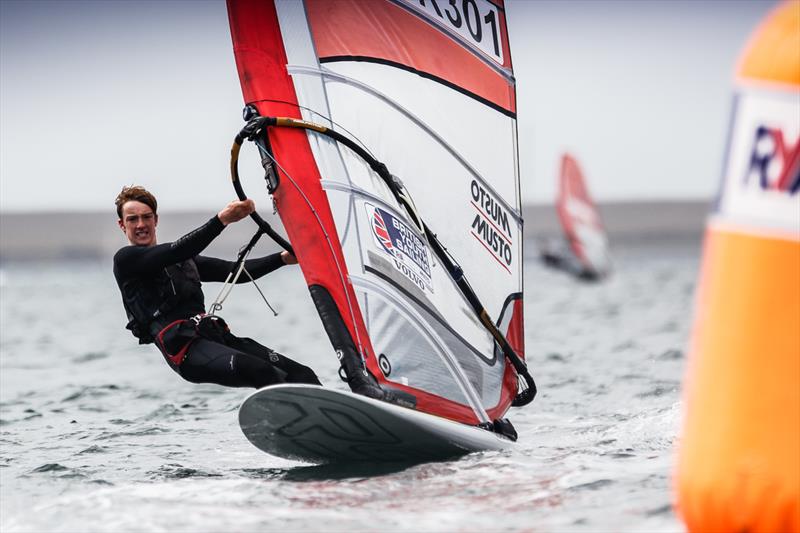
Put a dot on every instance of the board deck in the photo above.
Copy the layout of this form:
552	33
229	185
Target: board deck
316	424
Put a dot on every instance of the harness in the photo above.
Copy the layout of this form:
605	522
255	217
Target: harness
139	302
175	338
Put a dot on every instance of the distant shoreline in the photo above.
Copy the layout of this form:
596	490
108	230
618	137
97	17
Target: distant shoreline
53	236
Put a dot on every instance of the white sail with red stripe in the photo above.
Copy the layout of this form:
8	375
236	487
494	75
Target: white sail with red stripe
427	89
581	221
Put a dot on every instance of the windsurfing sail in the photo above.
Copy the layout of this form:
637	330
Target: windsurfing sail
396	179
588	254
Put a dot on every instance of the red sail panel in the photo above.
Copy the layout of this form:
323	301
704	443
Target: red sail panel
402	38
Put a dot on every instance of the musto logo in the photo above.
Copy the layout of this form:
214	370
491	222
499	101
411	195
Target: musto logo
408	251
490	225
774	163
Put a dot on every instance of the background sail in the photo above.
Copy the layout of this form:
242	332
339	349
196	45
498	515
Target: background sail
581	220
428	90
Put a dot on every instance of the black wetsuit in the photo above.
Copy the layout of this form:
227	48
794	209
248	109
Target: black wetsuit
161	292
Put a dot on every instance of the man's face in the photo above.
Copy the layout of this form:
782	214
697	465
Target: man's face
139	223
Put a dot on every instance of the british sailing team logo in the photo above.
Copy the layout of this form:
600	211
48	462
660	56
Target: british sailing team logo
408	251
382	232
490	225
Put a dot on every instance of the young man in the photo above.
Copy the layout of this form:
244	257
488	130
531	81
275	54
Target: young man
160	286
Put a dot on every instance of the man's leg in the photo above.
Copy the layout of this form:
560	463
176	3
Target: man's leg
212	362
295	372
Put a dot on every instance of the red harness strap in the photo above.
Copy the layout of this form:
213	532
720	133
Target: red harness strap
177	358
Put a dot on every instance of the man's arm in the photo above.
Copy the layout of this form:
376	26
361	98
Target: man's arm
213	269
138	260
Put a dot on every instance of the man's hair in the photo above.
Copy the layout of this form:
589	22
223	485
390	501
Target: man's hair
137	193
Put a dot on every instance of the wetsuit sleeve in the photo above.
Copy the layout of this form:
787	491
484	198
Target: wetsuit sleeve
213	269
140	260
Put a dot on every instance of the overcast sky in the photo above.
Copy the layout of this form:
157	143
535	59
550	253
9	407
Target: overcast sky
96	94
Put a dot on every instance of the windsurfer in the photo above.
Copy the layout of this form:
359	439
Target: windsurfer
583	251
163	299
557	254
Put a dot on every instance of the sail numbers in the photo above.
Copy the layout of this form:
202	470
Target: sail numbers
477	22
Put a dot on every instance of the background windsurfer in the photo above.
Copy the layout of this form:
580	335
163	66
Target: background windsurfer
584	250
557	253
163	299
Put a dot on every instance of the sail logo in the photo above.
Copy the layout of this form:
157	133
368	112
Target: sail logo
382	232
761	184
408	251
490	225
774	163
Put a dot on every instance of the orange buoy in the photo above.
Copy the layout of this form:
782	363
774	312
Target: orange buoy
739	455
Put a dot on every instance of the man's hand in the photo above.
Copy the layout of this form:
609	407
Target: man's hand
254	128
236	211
288	258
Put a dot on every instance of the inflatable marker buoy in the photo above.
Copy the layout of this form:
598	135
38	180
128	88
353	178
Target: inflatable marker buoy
739	455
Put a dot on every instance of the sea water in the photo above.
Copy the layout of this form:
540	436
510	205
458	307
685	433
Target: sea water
98	434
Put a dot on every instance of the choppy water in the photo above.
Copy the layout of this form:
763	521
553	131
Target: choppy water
97	434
